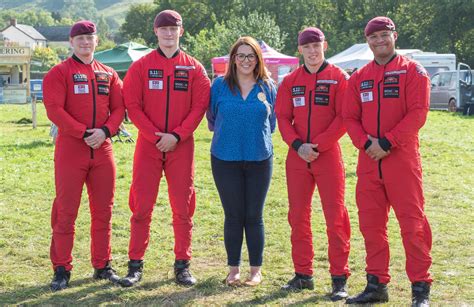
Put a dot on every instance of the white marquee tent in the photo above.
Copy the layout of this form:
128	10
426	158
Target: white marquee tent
360	54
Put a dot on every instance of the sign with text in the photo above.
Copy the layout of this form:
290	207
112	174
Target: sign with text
14	51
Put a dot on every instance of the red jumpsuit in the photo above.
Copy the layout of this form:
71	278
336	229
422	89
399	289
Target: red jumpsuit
77	97
308	109
390	102
170	96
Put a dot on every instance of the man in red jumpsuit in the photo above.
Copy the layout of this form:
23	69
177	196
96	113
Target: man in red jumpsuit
385	106
308	109
166	94
83	99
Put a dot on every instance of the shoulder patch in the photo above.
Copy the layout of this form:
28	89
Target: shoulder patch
421	70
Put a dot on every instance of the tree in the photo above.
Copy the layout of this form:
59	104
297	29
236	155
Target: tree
28	17
139	24
77	10
218	40
62	52
209	43
202	14
46	57
258	25
442	26
105	44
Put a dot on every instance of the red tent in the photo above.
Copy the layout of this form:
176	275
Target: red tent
278	64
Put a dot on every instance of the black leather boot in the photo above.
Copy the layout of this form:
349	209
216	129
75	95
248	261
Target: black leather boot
182	274
60	279
420	294
135	271
299	282
339	288
106	273
374	292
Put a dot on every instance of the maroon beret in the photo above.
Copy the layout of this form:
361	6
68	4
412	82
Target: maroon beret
83	27
310	35
168	18
379	23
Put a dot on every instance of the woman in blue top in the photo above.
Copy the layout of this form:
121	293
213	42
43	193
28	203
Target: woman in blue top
242	117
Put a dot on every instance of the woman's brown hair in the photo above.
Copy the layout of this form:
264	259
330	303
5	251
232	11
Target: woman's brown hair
260	72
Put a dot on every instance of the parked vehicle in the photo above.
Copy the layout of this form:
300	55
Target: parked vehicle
435	62
452	90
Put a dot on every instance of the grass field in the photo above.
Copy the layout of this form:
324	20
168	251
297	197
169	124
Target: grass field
27	192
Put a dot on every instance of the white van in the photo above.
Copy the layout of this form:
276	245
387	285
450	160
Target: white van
435	62
451	90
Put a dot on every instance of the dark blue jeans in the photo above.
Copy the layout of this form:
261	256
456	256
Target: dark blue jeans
242	187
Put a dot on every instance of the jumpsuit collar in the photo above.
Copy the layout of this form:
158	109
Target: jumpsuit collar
161	53
391	59
75	58
321	68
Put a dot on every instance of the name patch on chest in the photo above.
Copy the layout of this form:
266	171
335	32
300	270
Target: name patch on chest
155	73
186	67
391	92
155	84
327	81
298	90
182	74
395	72
79	78
81	88
321	100
366	97
180	85
103	89
367	84
298	102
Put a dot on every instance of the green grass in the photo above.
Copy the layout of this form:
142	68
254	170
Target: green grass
27	191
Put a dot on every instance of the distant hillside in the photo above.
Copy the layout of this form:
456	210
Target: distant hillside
115	10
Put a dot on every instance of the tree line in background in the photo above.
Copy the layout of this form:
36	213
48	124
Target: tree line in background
211	26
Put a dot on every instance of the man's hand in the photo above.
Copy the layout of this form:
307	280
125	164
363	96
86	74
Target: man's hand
375	152
168	142
96	139
307	152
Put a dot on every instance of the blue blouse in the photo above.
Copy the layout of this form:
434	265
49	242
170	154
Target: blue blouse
242	128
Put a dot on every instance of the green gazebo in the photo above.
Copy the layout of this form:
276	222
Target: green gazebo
122	56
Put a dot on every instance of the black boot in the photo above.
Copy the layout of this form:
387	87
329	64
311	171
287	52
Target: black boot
339	288
135	271
420	294
106	273
182	274
61	279
374	292
299	282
